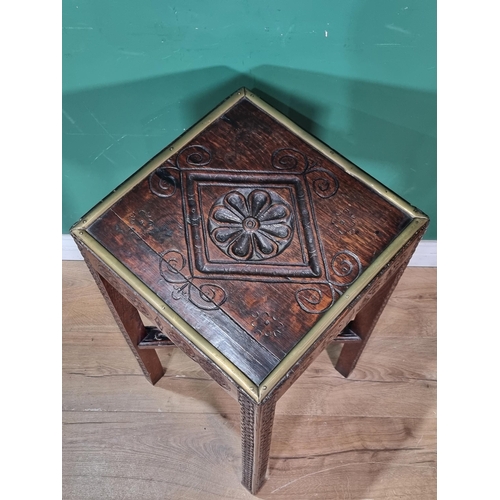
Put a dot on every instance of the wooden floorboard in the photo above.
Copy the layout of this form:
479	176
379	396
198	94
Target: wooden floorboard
372	436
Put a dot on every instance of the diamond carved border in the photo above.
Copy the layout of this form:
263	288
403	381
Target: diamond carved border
323	281
198	230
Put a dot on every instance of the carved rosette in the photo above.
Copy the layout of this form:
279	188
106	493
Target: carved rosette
251	226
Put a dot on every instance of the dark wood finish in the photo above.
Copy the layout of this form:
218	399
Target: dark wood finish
348	335
256	429
218	328
320	228
364	323
154	339
371	438
250	235
129	321
397	265
97	267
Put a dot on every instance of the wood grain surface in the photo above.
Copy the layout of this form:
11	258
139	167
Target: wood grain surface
372	436
251	230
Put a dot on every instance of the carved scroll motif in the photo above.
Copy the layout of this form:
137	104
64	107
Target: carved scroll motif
316	298
252	225
346	267
290	160
194	156
207	296
324	183
163	181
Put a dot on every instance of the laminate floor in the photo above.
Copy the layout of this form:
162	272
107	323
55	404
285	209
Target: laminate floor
372	436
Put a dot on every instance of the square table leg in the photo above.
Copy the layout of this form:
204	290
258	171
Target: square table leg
365	322
256	430
129	321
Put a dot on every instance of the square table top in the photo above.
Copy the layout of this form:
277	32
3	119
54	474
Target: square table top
249	236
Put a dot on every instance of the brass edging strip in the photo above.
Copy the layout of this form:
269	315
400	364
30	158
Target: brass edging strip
155	162
356	288
344	163
257	393
419	219
173	318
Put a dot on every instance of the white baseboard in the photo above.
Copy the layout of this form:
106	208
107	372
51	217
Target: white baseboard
69	249
424	256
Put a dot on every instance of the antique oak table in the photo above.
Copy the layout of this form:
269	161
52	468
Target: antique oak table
251	246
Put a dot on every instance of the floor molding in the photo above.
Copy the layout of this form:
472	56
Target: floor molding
69	249
424	256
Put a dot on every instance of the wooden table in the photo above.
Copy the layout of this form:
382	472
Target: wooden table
251	246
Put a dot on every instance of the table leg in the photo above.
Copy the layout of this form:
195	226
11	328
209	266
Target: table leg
256	430
129	321
364	323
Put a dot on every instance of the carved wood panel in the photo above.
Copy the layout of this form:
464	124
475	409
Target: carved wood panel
253	231
98	268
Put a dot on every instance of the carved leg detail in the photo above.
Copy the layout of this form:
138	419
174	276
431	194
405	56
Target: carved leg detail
364	323
256	430
129	321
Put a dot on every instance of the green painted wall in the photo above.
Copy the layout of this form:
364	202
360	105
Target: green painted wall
358	74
